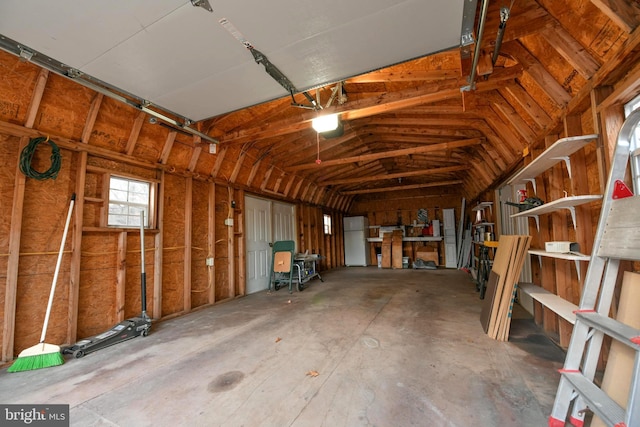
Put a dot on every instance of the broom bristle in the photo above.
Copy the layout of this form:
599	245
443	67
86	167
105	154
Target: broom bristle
37	357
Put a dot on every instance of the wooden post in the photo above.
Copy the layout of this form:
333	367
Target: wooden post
547	279
211	244
231	252
121	276
559	232
78	223
599	119
580	185
15	231
188	222
158	258
242	265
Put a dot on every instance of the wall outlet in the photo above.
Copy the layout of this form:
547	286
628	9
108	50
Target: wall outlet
229	222
209	261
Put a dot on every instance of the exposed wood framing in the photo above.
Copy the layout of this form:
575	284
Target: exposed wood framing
242	266
135	133
121	276
394	153
166	149
158	251
624	13
8	327
231	249
211	244
188	230
559	233
78	222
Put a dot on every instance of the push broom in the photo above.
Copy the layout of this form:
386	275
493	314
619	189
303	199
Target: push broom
44	355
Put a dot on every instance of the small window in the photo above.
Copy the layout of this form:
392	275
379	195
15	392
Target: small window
327	224
127	198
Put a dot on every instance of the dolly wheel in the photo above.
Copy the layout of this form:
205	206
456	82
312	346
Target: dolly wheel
300	287
78	354
145	333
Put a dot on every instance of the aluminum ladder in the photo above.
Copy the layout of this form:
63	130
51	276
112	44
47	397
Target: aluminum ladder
615	240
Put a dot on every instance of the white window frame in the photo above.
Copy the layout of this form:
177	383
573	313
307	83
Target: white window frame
629	107
133	219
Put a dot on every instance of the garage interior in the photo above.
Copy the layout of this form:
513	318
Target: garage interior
449	118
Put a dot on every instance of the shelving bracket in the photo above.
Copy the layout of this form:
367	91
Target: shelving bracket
567	163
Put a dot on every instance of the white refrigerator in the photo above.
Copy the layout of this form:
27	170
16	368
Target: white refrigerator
356	231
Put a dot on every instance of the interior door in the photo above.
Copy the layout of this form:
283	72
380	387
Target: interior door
257	238
284	221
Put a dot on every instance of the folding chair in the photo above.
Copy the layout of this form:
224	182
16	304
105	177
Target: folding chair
282	264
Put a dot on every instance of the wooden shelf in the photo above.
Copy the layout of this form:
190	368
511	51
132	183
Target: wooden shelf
559	151
565	203
553	302
570	256
409	239
484	224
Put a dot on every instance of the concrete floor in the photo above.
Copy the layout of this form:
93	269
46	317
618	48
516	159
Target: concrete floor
391	348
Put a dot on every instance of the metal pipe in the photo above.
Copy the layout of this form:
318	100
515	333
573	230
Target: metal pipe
476	53
504	16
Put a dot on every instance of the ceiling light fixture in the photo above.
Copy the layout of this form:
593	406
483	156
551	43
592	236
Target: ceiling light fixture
325	123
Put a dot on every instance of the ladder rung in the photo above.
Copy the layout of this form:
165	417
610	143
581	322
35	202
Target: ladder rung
619	331
597	400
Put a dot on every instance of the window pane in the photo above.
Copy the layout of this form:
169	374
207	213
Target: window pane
127	198
139	198
117	209
117	195
119	183
327	224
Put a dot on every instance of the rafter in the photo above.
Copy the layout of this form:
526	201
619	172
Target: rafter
425	172
404	187
426	149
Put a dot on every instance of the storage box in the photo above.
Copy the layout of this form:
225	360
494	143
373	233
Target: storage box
427	254
561	247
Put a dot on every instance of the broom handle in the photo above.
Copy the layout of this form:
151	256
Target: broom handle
57	271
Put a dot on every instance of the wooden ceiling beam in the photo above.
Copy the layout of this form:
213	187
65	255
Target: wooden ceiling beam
625	14
572	51
506	111
545	81
403	187
399	75
383	103
516	94
434	171
393	153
